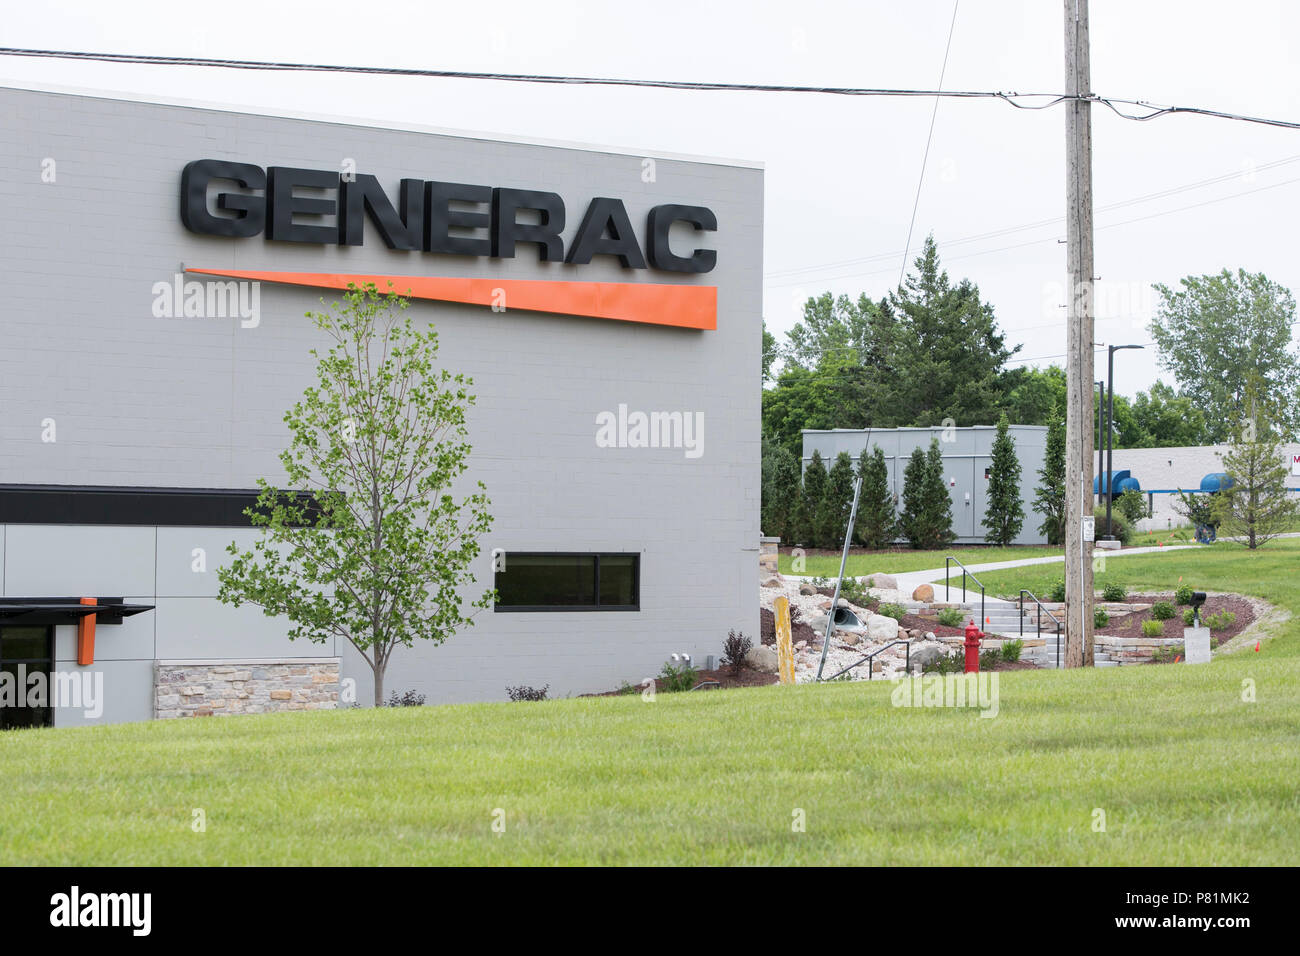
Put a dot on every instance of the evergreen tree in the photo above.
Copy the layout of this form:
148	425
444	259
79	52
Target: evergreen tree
837	501
926	521
1050	495
938	501
780	490
1256	506
877	517
911	521
814	489
1004	513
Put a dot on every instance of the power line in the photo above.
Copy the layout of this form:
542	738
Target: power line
1039	224
1008	97
925	158
1035	242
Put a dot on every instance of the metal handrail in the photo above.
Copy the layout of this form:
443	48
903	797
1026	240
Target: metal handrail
1039	629
964	572
870	658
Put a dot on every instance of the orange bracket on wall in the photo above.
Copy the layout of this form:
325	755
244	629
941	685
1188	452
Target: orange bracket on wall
86	635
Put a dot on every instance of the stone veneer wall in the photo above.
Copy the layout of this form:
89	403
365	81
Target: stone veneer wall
215	688
767	555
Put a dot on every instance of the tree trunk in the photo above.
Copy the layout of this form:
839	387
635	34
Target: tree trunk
378	669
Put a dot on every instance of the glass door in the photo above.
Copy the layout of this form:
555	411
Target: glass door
24	652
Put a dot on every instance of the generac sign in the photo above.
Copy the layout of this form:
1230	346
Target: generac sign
241	200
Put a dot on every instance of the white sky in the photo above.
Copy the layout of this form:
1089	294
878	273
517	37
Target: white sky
841	172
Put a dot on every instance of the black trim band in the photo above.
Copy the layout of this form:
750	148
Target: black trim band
105	504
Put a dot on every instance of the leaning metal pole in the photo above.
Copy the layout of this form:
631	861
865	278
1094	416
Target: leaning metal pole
844	558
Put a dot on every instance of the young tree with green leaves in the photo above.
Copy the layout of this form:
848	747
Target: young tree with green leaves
814	490
877	515
1256	506
371	545
1004	513
1049	500
837	502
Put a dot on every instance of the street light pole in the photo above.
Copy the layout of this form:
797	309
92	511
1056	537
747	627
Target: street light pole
1110	436
1101	435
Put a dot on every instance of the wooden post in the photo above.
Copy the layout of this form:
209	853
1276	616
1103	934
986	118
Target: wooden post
1079	343
784	649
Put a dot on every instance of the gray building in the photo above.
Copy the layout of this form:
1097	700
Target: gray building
967	459
1161	472
132	426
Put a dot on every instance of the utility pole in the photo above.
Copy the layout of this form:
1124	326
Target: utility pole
1079	523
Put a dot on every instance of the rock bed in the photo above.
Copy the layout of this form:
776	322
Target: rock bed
846	647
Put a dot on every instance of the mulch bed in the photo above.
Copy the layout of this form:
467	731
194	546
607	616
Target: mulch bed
745	677
1130	625
799	629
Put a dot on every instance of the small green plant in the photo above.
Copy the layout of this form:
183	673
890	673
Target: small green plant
1221	620
1113	591
896	611
1162	610
1058	591
950	616
946	664
1166	654
1152	628
624	689
1099	618
1184	594
409	699
1189	616
989	659
1011	650
678	675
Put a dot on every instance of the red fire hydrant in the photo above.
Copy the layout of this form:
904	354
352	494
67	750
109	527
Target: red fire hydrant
973	635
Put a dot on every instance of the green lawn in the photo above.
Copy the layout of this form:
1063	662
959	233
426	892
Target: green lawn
1271	572
897	562
1185	771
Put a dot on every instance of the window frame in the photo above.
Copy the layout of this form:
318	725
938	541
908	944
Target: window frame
566	608
50	663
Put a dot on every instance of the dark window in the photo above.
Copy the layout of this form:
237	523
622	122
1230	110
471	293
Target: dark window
25	651
569	582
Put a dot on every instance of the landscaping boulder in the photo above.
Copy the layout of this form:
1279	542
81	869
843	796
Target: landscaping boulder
762	658
924	593
818	623
883	581
773	582
807	589
925	655
851	638
882	628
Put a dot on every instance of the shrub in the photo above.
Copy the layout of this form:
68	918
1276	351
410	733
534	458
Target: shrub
1189	616
1058	591
989	659
951	617
1221	621
1152	628
409	699
678	676
1184	594
1011	650
1166	654
734	649
1132	505
1099	618
1113	591
1162	610
896	611
946	664
524	692
1123	528
854	591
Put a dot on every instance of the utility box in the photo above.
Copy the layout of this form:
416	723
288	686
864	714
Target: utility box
967	460
1196	645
